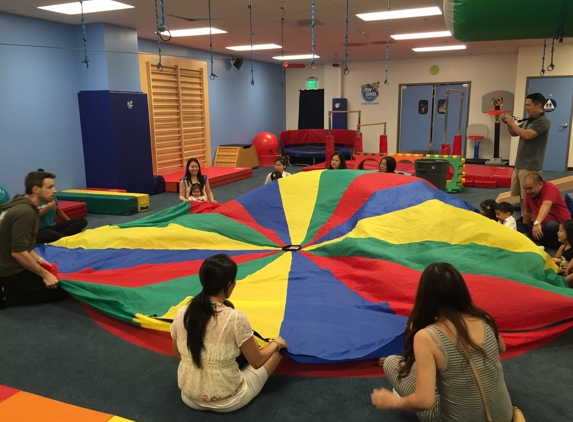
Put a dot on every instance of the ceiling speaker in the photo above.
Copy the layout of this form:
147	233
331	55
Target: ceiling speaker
237	63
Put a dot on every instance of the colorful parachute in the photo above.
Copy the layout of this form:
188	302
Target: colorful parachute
328	259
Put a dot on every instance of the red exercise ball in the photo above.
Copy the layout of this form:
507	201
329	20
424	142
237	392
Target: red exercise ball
266	144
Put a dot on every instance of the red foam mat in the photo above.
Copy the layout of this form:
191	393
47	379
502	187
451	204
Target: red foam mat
218	176
72	209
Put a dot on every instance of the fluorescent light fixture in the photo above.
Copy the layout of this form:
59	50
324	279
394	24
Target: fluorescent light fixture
299	57
90	6
195	31
400	14
255	47
421	35
440	48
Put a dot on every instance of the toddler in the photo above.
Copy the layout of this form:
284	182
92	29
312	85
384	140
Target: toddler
504	214
197	193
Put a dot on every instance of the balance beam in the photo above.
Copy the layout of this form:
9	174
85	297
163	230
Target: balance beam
564	184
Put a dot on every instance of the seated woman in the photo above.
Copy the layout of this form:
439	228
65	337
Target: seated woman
280	167
337	161
193	175
433	377
209	334
387	165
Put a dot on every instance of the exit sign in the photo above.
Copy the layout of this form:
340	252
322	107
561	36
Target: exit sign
312	83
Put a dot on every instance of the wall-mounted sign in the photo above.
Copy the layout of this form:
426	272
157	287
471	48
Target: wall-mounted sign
550	105
370	93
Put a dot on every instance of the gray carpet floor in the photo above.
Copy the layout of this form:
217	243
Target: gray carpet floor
57	351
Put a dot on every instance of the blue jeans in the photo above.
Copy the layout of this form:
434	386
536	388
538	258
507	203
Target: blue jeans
549	239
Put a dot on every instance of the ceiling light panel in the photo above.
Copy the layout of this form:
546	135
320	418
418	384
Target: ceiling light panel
439	48
255	47
400	14
421	35
90	6
296	57
193	32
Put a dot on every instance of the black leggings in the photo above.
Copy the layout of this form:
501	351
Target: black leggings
27	288
63	229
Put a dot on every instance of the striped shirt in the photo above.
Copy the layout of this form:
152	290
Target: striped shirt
459	394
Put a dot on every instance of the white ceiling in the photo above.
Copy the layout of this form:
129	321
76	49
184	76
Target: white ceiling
367	39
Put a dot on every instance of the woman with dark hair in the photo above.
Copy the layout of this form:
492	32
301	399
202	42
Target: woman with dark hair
193	175
337	161
209	334
564	256
388	165
433	376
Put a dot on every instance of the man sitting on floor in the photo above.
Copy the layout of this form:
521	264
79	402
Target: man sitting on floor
545	206
51	231
23	280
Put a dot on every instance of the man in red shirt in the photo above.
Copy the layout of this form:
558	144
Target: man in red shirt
544	211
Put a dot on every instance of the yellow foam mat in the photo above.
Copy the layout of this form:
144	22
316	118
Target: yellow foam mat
142	198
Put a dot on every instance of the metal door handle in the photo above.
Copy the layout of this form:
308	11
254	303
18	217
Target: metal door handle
565	126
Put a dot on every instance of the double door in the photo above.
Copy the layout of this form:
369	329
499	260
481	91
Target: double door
425	122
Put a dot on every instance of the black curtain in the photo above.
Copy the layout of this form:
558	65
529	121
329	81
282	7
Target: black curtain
311	109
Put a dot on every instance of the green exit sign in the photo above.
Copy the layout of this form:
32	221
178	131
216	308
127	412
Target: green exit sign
311	83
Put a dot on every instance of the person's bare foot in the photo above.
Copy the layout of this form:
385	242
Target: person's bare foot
381	361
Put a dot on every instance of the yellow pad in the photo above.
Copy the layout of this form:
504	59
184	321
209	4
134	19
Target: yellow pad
299	213
142	198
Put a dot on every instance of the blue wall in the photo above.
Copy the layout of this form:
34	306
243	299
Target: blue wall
238	110
39	116
41	73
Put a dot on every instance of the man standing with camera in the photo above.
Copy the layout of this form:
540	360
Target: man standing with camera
533	133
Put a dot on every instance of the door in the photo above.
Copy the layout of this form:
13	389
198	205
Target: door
423	114
415	117
560	91
452	113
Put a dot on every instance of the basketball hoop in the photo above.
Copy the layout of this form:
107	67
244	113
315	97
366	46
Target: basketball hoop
496	114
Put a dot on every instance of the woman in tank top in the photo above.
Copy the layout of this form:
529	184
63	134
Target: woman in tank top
433	377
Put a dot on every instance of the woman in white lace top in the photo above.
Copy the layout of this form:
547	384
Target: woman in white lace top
209	334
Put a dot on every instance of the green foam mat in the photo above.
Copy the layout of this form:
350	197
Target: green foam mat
103	204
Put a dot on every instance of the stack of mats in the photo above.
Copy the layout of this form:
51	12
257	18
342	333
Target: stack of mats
72	209
104	202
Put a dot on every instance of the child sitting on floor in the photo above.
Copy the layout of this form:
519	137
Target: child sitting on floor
276	175
488	209
280	166
504	214
565	253
197	193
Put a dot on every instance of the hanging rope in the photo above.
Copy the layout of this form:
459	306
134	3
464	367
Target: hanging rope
282	46
312	62
212	76
85	60
543	58
387	44
551	65
346	71
561	31
251	31
159	65
161	26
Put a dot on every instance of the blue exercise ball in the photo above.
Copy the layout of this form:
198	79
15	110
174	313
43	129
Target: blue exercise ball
4	197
